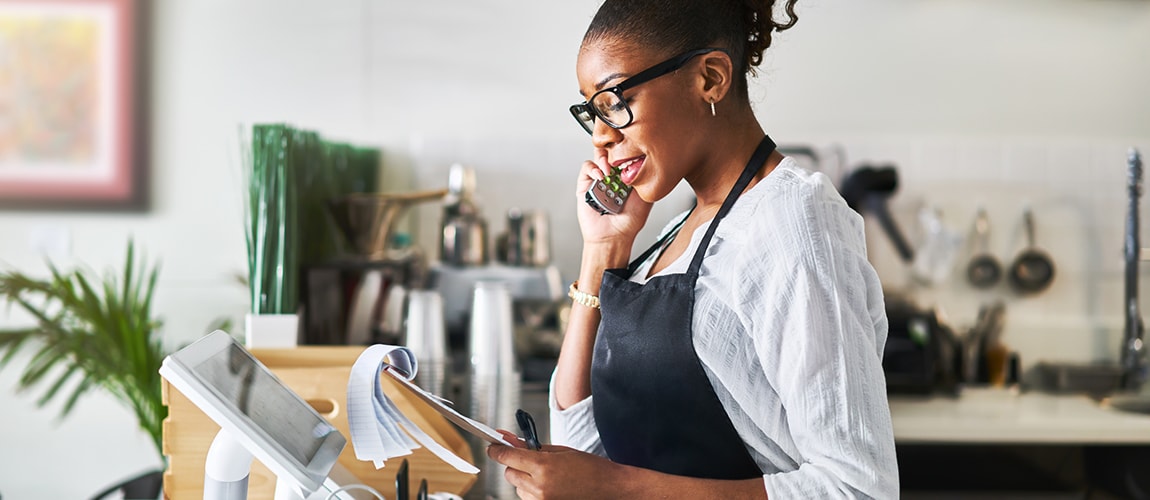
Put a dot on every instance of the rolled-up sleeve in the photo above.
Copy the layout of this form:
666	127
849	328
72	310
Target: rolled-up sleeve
574	426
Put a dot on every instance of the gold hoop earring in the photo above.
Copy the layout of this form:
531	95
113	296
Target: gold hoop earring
712	108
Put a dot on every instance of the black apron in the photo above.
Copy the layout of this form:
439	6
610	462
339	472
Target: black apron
654	405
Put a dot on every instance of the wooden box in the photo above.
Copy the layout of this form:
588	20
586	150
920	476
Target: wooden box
319	375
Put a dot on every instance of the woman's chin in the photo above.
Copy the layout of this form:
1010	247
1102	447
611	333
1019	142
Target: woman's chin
649	194
641	193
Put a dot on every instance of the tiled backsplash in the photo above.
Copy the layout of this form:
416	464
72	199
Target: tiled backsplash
1075	188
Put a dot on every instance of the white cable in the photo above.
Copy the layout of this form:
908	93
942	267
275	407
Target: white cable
350	487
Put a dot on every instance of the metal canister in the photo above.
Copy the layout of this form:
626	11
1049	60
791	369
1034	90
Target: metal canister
463	235
464	240
528	238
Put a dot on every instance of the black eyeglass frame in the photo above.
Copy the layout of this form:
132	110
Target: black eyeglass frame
644	76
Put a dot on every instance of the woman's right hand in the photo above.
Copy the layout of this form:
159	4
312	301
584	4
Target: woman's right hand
607	229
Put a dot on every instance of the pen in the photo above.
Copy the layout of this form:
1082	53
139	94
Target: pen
527	425
422	493
401	491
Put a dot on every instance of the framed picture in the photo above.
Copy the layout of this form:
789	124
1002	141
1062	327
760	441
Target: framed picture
72	105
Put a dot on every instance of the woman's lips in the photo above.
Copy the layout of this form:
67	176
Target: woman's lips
630	169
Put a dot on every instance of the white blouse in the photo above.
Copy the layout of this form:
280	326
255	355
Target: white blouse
789	324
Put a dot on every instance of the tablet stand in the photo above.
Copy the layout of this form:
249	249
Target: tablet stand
228	467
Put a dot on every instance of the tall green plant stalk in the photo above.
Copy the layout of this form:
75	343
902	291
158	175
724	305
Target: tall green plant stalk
272	236
291	177
92	332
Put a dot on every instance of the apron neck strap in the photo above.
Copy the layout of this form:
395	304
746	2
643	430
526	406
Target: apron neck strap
634	266
762	152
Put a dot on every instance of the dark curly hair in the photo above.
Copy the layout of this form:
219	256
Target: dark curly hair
742	27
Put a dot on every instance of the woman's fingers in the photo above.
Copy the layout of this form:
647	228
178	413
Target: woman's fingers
602	162
512	438
593	170
521	459
522	482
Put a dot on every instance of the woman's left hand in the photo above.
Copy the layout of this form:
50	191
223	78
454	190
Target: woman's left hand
556	472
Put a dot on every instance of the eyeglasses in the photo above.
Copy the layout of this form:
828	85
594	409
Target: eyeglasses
610	106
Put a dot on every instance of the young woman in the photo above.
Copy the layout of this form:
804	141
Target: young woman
740	357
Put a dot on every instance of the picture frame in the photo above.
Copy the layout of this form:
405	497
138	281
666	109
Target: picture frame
73	105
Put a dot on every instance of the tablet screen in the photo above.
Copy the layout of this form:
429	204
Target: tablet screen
253	392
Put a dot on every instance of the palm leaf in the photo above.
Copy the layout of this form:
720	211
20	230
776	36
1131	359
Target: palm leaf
50	394
81	389
12	340
91	332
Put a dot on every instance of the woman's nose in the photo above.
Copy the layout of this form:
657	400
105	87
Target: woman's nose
604	136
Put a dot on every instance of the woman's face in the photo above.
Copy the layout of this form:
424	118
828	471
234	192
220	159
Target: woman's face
661	145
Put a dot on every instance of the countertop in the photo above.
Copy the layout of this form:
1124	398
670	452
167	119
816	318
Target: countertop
1003	416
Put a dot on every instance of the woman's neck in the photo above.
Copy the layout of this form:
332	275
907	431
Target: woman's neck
730	147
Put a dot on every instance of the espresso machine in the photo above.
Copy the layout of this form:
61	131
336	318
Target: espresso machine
358	298
522	262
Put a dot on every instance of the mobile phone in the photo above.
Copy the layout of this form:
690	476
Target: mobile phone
608	195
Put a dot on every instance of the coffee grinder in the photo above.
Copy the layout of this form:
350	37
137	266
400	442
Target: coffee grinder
358	298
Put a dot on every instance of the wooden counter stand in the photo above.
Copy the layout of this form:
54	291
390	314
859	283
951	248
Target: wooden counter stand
319	375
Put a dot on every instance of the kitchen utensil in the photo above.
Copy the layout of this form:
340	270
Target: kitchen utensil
358	301
367	220
986	331
376	312
984	270
935	256
1033	269
1133	356
867	188
528	238
364	304
463	232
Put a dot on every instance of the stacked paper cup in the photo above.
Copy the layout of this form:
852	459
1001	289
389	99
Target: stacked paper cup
426	336
495	378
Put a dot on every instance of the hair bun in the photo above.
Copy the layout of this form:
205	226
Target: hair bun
761	24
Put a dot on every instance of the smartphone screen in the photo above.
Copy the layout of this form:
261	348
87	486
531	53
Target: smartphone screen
608	195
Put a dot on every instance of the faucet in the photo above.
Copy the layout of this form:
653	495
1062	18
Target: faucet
1133	355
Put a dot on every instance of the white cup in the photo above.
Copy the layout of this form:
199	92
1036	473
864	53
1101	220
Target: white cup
494	378
491	336
426	336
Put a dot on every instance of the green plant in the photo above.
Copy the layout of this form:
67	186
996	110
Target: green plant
291	175
92	332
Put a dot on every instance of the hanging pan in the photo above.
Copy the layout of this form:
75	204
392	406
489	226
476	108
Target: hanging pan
1032	270
984	270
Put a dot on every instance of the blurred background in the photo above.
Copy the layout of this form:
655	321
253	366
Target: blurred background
999	105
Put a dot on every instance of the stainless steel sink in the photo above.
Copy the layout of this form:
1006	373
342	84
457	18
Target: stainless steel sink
1101	382
1132	403
1093	379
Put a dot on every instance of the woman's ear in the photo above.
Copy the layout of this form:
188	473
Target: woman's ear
716	76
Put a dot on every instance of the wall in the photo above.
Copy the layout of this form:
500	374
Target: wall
1001	104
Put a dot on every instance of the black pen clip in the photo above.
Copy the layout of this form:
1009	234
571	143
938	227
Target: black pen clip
401	492
527	425
422	494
